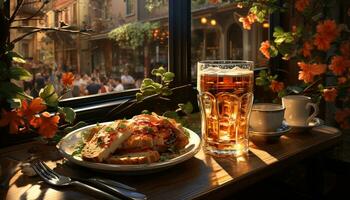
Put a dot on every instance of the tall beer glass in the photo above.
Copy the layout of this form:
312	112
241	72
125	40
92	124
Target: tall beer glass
225	98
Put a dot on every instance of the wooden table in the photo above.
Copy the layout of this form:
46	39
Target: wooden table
200	177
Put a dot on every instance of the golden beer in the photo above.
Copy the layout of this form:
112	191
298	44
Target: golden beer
225	97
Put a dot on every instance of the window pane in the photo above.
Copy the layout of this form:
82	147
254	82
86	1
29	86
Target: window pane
218	34
128	38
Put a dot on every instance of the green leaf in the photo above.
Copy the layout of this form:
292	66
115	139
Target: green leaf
148	93
278	30
273	51
69	114
15	102
49	95
148	88
18	60
78	149
139	96
158	72
279	40
10	90
156	85
147	112
168	76
295	89
262	81
289	38
15	57
147	81
186	108
19	73
282	93
263	73
171	114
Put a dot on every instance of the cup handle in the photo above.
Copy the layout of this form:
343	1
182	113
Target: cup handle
313	115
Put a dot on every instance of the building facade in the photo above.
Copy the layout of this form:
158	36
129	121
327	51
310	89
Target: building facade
216	34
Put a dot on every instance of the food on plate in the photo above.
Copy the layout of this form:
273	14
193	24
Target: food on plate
139	140
142	157
105	141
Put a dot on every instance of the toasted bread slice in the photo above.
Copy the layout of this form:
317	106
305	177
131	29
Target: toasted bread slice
143	157
106	141
135	141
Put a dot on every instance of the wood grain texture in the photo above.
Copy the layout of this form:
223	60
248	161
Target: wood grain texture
202	177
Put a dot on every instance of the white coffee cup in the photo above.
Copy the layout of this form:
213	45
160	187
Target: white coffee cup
266	117
298	108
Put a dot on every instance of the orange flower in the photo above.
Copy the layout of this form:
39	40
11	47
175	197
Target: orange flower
264	49
329	28
322	42
276	86
307	47
329	95
345	49
47	124
13	119
327	32
300	5
248	21
308	71
339	65
36	106
342	80
67	79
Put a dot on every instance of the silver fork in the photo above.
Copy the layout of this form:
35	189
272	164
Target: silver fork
52	178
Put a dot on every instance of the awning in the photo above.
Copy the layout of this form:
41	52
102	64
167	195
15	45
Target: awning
61	36
99	36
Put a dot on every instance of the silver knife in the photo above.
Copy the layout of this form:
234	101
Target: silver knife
113	183
115	188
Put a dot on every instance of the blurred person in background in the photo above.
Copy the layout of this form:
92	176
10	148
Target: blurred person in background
127	80
118	85
104	85
93	87
76	85
38	84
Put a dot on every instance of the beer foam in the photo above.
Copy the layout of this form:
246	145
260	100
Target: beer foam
236	71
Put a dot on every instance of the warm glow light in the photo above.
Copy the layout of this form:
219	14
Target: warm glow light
204	20
266	25
213	22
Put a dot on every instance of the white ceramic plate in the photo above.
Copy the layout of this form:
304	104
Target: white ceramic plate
67	146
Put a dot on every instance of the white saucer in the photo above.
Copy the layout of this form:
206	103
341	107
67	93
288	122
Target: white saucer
270	136
313	123
280	131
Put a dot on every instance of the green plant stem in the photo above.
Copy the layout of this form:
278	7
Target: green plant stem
311	85
65	91
113	111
